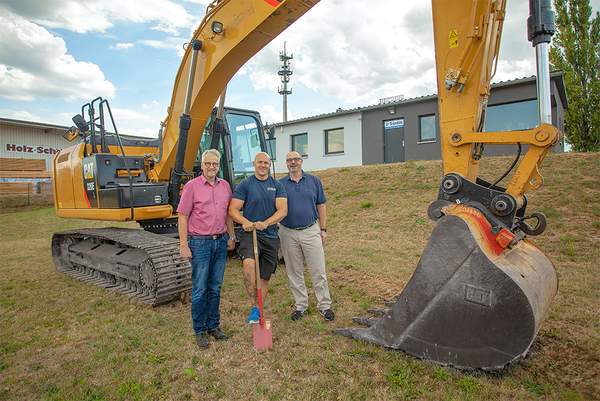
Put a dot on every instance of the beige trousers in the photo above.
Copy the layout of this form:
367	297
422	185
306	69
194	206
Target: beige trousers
299	246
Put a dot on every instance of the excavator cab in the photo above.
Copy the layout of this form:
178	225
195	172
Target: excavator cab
243	139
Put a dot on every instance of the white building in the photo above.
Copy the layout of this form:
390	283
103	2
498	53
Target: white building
31	140
332	140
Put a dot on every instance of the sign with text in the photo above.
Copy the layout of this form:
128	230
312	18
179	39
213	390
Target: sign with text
12	147
393	124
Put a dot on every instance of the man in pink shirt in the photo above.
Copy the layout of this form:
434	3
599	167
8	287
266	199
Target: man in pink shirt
205	235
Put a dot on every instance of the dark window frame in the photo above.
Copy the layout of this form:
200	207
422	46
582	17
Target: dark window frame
511	102
326	137
435	127
271	145
292	143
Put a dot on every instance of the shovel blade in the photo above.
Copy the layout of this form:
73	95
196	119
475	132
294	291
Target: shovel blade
262	336
464	306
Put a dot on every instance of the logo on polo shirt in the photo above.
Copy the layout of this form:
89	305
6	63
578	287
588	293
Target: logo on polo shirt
271	189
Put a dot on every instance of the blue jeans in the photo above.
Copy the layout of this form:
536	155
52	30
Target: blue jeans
208	266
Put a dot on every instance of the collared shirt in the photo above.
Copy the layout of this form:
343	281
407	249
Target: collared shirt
303	198
259	201
205	205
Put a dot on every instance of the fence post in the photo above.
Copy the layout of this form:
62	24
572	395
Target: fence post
28	194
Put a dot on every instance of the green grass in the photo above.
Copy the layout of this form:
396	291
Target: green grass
62	339
366	205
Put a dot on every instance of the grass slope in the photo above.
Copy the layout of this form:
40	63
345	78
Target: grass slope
65	340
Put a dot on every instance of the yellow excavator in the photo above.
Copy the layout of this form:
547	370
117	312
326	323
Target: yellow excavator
481	289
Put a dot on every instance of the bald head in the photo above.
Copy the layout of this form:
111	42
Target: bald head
262	164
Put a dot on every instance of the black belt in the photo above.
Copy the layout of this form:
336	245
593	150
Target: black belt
301	228
211	236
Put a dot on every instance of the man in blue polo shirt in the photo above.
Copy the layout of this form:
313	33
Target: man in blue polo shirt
302	234
262	200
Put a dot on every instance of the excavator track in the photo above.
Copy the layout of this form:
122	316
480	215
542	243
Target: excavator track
137	263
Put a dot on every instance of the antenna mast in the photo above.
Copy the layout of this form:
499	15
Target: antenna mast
285	72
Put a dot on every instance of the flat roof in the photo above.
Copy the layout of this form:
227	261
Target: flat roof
61	128
32	124
556	76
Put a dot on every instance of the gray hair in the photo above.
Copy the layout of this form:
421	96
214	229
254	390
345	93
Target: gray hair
212	152
262	153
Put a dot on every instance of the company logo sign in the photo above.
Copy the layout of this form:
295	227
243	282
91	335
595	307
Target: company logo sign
392	124
11	147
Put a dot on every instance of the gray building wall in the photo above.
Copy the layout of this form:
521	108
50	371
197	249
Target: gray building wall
411	109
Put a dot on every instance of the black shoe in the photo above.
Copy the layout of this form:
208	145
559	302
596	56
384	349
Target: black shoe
298	314
218	334
202	339
327	314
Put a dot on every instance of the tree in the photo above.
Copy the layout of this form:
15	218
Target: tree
576	51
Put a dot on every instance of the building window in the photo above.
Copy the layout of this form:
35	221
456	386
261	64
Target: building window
300	143
272	147
511	116
427	128
334	141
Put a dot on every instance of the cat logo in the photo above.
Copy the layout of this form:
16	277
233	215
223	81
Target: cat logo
88	171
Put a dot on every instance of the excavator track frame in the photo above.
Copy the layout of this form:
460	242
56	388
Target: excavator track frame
134	262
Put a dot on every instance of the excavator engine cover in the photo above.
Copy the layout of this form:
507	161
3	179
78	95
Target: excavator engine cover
470	303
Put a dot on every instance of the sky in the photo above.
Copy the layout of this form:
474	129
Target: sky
56	55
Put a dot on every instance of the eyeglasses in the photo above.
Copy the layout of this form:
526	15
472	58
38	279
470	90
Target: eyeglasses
294	159
211	164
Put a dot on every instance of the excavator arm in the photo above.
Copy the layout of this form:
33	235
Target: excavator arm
481	289
228	36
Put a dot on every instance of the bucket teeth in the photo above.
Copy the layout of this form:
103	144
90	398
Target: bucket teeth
365	320
379	312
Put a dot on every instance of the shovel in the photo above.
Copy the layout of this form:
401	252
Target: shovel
262	334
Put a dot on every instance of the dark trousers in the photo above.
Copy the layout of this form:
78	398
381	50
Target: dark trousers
208	266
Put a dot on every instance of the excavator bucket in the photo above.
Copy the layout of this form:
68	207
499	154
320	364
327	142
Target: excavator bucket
470	303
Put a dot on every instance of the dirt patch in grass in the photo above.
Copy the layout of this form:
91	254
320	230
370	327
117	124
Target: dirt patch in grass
66	340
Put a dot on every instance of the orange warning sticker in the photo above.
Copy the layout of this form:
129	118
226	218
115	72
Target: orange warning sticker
453	39
274	3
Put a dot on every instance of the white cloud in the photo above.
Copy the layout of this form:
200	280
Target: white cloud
269	114
100	15
171	43
151	105
386	54
377	49
19	115
34	62
133	122
122	46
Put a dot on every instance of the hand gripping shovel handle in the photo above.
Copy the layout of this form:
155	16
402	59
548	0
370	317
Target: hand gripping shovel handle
257	279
